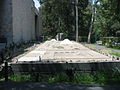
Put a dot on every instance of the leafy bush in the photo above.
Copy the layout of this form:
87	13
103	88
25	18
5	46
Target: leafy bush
20	78
83	39
99	78
113	42
59	78
111	77
84	79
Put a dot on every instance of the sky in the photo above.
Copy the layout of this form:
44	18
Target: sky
36	3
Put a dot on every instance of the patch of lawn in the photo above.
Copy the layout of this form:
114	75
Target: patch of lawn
104	50
115	53
110	51
115	48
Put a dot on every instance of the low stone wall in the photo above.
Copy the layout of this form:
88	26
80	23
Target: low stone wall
38	67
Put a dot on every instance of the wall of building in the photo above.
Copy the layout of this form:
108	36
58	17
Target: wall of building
6	20
23	21
40	23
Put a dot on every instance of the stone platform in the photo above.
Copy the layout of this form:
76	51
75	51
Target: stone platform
64	51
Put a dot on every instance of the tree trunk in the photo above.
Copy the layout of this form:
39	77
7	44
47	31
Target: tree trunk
92	20
76	7
90	29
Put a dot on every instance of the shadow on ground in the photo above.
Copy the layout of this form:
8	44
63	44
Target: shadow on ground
52	86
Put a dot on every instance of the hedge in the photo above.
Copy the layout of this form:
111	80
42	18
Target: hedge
111	41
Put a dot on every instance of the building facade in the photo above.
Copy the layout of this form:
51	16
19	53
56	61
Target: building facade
19	21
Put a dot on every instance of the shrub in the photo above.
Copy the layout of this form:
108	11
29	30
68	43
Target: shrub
59	78
20	78
110	77
99	78
83	39
113	42
84	79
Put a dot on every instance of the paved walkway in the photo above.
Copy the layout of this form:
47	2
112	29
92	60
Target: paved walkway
103	48
52	86
64	51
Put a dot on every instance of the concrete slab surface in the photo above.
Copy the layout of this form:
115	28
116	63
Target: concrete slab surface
66	50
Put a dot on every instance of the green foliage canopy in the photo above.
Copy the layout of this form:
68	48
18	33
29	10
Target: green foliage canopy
59	17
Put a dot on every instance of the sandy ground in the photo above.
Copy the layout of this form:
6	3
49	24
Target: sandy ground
63	51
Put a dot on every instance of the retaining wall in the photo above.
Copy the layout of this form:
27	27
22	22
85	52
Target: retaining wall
61	67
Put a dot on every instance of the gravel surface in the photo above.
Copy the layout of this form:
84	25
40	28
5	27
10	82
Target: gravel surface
63	51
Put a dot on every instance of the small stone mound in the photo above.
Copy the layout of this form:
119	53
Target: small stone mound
53	40
66	41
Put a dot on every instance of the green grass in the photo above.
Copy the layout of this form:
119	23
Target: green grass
97	78
20	78
114	48
61	78
108	51
115	53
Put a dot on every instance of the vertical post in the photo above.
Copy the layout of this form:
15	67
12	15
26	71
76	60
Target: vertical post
6	71
37	77
76	7
39	58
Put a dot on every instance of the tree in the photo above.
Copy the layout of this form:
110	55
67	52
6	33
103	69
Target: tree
59	17
107	20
